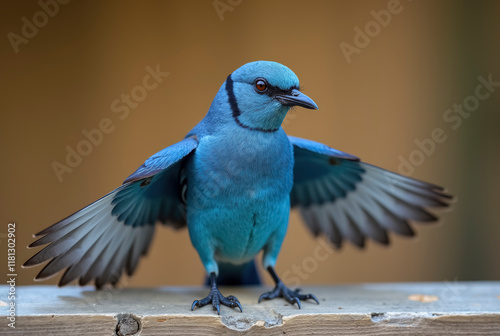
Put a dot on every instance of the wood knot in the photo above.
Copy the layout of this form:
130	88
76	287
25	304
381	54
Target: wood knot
127	325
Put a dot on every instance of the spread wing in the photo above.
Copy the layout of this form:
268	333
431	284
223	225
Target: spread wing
346	199
110	235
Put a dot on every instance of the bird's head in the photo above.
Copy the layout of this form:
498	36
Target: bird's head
261	93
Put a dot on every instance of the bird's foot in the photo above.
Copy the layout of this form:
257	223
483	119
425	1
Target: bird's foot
216	298
292	296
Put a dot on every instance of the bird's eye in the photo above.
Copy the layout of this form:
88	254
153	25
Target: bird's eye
261	85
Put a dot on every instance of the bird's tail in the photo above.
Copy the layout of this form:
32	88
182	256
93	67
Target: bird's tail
237	275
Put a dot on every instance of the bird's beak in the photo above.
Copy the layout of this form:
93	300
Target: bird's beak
297	98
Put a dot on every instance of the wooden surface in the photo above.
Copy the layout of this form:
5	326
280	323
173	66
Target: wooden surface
446	308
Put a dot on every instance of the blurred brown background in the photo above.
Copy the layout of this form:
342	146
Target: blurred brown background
395	90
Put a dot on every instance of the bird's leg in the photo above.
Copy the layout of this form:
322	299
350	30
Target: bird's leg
280	290
216	298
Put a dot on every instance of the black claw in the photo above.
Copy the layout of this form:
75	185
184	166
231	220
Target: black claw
194	304
216	298
291	296
311	296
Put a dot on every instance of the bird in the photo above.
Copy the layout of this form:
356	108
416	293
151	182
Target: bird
232	182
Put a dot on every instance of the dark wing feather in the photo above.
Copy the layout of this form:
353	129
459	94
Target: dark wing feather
110	235
343	198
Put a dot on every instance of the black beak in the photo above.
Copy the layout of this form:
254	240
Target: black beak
297	98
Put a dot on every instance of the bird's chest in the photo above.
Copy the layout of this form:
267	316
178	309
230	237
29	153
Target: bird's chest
256	168
238	190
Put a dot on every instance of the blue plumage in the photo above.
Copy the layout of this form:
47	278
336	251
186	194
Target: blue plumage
237	275
232	182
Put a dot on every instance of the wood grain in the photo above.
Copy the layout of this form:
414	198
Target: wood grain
464	308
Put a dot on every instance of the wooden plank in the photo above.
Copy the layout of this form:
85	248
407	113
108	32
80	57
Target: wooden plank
447	308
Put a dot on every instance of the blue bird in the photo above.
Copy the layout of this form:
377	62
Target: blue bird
232	181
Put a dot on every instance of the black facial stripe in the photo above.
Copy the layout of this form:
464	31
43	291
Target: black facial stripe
273	91
236	110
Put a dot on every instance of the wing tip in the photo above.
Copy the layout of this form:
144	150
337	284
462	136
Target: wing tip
31	262
44	232
36	243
